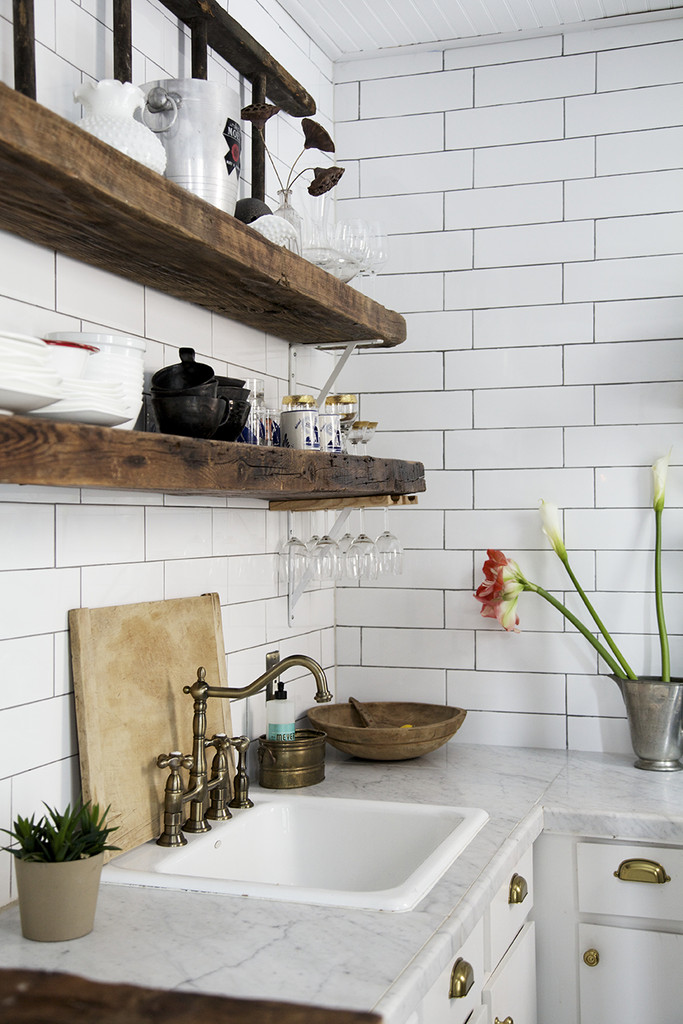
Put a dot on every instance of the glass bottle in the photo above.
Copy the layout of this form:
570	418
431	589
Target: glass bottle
288	213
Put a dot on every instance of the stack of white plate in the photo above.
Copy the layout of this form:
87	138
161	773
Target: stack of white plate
120	361
28	380
88	401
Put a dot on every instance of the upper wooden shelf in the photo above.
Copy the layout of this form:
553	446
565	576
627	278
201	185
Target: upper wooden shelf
49	453
67	190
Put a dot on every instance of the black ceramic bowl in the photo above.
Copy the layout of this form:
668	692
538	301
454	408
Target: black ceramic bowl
183	375
190	415
234	394
230	382
209	390
237	417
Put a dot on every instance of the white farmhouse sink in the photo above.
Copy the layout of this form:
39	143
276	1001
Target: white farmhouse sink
307	849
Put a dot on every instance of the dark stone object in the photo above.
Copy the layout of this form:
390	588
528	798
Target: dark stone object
248	210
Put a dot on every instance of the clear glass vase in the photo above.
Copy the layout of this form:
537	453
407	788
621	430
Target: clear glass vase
292	216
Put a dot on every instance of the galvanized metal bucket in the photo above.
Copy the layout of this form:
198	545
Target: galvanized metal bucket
198	123
655	717
291	764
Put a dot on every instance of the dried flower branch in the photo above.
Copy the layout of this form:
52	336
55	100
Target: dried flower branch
315	137
325	179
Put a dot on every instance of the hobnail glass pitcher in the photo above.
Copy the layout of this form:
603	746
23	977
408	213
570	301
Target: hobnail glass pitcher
109	113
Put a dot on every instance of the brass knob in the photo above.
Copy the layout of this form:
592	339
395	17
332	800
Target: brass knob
462	979
639	870
591	958
508	1020
519	890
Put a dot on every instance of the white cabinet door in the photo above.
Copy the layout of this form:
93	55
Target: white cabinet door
511	990
509	909
438	1007
637	978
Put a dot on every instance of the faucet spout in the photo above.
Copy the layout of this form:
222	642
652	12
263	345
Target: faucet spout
322	695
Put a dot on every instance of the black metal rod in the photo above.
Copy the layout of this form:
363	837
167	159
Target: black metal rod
123	41
24	47
258	148
200	59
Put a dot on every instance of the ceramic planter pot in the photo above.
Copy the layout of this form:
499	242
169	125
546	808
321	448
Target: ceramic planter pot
655	717
58	901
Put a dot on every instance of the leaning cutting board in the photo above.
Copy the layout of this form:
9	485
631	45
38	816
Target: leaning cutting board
130	663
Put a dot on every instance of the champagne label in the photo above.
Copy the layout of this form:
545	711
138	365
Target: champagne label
232	133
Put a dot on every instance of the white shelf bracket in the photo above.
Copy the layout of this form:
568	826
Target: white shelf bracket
339	366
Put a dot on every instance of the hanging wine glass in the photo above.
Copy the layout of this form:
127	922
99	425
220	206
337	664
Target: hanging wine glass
325	557
362	560
292	557
389	551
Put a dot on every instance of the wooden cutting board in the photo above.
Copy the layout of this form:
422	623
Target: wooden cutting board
130	664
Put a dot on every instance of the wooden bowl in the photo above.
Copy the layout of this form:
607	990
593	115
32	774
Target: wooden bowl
432	726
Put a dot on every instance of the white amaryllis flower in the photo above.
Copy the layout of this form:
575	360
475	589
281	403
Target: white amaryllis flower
659	471
550	518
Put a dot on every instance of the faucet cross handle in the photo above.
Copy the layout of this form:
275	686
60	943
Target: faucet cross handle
219	784
175	761
241	797
173	797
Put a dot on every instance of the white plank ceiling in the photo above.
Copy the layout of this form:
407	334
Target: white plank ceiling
344	28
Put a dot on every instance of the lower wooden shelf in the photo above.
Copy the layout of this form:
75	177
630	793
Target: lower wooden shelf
49	453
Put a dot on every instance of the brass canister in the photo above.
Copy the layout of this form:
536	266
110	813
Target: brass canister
291	764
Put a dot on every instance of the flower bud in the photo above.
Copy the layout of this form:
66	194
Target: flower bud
550	518
659	471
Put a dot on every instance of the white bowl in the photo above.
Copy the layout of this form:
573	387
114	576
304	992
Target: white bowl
68	358
122	343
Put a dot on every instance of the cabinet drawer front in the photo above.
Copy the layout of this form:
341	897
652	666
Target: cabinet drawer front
506	918
437	1007
511	989
600	892
637	979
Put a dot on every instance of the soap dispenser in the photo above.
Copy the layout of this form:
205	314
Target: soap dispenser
280	715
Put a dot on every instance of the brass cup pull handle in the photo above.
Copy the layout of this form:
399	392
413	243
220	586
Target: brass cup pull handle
638	869
508	1020
519	890
462	979
591	958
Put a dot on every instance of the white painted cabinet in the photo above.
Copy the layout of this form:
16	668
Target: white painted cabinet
510	992
498	959
637	977
609	920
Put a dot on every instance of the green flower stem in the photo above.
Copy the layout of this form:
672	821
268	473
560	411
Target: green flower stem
602	651
659	600
630	674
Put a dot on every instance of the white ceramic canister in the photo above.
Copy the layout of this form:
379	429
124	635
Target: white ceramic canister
299	423
330	432
198	123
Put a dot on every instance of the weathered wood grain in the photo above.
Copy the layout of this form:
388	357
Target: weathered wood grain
44	452
227	37
67	190
40	997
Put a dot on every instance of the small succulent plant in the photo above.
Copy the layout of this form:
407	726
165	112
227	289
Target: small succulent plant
315	137
73	834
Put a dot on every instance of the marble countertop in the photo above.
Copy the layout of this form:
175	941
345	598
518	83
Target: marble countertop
361	959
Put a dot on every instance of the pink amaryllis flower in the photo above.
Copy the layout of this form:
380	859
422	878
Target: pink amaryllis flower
503	583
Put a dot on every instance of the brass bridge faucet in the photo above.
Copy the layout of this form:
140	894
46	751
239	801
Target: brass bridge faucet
200	786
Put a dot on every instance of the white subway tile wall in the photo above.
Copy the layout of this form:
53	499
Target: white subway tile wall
63	549
562	363
532	193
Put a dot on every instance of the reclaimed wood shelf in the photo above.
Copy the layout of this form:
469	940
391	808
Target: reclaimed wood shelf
42	997
65	189
49	453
